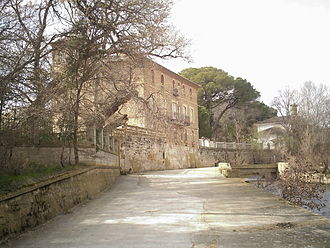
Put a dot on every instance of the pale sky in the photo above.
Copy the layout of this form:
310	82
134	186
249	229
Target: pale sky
271	43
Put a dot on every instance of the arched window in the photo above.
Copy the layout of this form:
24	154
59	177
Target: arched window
162	79
183	90
173	84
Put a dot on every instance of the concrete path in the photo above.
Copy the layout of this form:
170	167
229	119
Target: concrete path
183	208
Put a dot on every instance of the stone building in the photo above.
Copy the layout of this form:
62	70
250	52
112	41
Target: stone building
269	132
162	132
172	105
156	129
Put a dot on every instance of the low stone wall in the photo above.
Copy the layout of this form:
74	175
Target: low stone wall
32	206
21	157
250	171
211	156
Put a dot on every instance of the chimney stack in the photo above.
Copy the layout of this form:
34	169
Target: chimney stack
294	109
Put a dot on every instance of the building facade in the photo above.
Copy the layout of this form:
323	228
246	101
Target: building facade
170	106
162	127
269	132
139	110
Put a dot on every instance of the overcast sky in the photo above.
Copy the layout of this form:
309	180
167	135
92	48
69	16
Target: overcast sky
271	43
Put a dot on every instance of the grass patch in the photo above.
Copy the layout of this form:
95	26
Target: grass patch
12	181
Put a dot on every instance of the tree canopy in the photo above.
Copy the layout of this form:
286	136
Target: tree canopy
218	87
221	92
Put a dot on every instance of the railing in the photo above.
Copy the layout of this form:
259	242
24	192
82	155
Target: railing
180	119
227	145
139	130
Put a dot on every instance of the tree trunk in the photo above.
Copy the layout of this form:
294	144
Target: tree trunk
38	104
1	109
75	134
76	124
216	124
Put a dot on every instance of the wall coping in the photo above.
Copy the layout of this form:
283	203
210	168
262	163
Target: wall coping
232	149
54	179
256	166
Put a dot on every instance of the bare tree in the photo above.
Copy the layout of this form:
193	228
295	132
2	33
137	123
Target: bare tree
25	48
26	85
314	104
283	103
102	34
306	143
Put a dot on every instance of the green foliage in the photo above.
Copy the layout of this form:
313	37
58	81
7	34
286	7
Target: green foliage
258	111
218	87
244	91
220	94
215	82
204	116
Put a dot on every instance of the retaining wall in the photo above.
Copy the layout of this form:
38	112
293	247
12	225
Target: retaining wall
32	206
21	157
150	153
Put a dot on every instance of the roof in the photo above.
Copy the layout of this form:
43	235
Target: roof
273	131
273	120
177	76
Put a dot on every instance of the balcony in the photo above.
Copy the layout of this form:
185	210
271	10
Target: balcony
180	119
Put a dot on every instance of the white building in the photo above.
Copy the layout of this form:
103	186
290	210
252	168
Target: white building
269	132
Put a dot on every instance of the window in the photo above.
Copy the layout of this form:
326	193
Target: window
162	79
185	111
183	90
98	137
164	106
191	115
173	84
190	92
111	144
174	110
152	76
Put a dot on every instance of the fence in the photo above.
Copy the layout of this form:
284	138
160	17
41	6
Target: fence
228	145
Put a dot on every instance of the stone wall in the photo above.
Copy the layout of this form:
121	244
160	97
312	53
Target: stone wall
22	210
140	152
147	153
211	156
21	157
263	170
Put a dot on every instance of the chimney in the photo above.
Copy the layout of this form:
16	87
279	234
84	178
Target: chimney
294	109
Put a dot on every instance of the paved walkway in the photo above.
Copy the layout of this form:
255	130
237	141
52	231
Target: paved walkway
183	208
